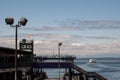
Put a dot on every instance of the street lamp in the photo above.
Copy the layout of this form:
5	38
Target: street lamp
22	22
59	44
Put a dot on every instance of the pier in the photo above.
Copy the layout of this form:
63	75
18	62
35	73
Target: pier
27	63
74	72
7	69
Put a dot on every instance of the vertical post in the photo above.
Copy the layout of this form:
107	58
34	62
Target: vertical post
16	52
59	59
70	74
22	22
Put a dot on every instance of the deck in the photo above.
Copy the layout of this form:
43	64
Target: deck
52	79
73	71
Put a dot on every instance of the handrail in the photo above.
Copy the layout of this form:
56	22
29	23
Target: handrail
79	69
88	74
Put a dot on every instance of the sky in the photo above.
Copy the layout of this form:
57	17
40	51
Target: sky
86	28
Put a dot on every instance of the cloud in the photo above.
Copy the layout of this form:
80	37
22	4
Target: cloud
74	25
68	47
62	36
77	44
49	36
83	25
56	28
38	42
6	42
93	23
100	37
68	37
46	38
49	28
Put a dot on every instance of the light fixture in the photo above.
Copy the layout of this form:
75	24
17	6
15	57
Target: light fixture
9	21
22	22
59	44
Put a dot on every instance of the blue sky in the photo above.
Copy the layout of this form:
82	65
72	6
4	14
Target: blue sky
85	27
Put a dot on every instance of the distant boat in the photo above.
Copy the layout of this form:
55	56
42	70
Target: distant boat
92	61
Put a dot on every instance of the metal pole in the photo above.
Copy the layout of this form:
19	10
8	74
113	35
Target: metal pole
59	60
59	44
16	52
10	21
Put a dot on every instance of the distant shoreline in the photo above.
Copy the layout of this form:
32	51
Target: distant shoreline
106	58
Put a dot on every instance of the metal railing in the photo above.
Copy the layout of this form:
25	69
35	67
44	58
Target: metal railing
88	74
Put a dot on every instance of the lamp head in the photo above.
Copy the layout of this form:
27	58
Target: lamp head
9	21
60	44
23	21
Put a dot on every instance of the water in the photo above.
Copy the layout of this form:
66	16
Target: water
108	68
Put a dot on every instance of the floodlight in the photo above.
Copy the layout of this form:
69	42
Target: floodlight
23	21
9	21
60	44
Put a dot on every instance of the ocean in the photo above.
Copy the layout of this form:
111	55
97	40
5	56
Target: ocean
107	67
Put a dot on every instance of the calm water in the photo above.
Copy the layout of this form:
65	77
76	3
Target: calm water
109	68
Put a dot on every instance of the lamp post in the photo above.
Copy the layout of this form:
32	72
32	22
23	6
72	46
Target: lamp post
59	44
22	22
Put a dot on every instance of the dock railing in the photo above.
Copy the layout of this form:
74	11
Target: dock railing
88	74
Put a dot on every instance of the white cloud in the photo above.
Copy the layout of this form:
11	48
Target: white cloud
68	47
6	42
86	24
46	38
38	42
77	44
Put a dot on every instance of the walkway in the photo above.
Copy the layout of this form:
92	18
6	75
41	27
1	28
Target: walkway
52	79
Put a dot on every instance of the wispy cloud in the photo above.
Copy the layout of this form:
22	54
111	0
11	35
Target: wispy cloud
90	22
74	41
100	37
7	42
76	24
48	47
97	24
49	28
68	47
49	36
70	36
